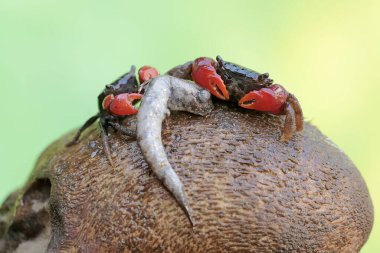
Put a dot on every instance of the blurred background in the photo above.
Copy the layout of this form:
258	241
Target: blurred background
56	56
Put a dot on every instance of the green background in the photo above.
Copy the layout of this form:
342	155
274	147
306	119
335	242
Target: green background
56	56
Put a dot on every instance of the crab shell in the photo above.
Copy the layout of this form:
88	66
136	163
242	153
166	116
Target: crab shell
240	80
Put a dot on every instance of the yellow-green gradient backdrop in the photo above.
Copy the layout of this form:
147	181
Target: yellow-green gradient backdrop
56	56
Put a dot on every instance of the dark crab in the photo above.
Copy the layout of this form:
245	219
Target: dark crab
117	101
250	89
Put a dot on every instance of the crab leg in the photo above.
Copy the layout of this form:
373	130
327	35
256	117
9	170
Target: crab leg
104	134
287	131
119	127
166	93
298	111
86	125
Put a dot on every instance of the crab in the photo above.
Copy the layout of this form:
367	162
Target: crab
246	87
118	100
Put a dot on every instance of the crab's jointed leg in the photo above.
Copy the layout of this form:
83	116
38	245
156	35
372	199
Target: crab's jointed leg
104	134
122	129
86	125
287	131
298	111
293	117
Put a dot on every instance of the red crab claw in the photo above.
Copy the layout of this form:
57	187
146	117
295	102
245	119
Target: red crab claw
107	101
146	73
271	99
124	104
204	74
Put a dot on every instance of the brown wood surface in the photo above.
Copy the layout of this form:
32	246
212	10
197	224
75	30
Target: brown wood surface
248	192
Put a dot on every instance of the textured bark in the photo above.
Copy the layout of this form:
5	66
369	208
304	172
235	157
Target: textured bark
248	192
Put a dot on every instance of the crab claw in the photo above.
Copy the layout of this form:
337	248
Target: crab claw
107	101
125	104
217	87
204	74
146	73
271	99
